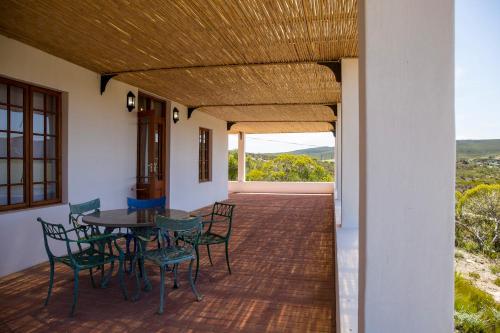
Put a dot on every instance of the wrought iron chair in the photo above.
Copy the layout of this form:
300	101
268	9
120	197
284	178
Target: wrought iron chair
173	254
84	231
135	204
221	215
82	259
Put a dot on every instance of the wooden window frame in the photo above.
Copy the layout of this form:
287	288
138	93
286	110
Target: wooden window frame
28	136
205	155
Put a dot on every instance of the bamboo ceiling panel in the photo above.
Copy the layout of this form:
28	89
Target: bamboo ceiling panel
274	113
284	127
109	36
303	83
137	36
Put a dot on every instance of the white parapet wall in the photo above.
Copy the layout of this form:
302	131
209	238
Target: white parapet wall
282	187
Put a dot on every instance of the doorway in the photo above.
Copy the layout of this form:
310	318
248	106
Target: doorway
151	152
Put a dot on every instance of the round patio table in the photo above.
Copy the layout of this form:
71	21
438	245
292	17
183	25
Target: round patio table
139	221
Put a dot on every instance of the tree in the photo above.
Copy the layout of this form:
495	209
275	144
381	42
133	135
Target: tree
478	218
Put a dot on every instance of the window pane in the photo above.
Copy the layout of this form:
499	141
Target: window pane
3	93
3	144
37	122
16	145
3	195
51	147
16	119
3	118
3	171
16	171
16	194
51	191
16	96
51	124
51	171
51	103
38	192
38	151
38	101
38	174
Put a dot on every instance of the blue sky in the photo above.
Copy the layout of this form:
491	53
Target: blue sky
477	82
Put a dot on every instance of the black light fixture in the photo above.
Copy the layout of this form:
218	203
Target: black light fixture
130	101
175	115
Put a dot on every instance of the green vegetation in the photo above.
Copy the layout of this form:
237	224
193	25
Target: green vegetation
478	220
475	310
478	162
495	269
474	275
467	149
295	166
497	281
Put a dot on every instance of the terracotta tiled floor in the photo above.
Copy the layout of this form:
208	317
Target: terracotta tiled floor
282	260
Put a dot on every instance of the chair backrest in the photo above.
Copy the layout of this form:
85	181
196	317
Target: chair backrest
146	203
180	228
53	231
223	210
77	210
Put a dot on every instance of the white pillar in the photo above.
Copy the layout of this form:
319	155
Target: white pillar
350	144
241	157
338	153
407	166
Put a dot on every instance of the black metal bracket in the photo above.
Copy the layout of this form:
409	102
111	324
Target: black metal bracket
334	108
190	111
335	67
230	124
104	81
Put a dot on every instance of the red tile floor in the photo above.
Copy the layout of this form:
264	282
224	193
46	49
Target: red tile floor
282	260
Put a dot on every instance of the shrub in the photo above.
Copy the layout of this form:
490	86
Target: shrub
478	219
497	281
459	255
474	275
475	310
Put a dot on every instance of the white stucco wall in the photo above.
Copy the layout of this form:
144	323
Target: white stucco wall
282	187
350	144
407	166
186	192
101	147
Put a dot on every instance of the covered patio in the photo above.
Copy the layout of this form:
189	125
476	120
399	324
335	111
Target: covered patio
282	281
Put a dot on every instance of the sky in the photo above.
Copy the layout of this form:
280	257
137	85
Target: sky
477	83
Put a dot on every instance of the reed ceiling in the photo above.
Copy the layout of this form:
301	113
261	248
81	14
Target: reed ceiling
277	42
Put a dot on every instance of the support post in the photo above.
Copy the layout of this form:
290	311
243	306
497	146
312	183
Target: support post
407	166
241	157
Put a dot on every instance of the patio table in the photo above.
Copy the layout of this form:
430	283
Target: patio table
139	221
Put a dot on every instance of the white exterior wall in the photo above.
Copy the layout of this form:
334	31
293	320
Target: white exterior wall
282	187
407	166
350	144
186	192
101	148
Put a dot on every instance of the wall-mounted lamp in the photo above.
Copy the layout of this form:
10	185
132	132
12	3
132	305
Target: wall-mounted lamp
175	115
130	101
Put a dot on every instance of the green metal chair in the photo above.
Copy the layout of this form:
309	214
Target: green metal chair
82	259
84	231
222	217
173	254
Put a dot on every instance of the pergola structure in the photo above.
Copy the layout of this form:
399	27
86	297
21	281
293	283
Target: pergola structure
262	66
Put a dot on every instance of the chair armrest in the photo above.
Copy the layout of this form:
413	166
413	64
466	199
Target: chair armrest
93	239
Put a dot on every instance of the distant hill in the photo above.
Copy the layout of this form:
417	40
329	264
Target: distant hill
320	153
478	148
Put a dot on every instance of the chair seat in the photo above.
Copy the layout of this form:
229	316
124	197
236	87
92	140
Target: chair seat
167	255
88	258
211	238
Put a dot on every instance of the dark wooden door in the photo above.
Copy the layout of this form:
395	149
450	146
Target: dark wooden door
150	148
